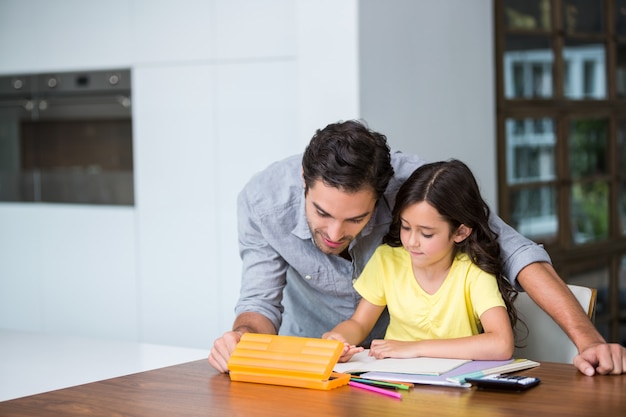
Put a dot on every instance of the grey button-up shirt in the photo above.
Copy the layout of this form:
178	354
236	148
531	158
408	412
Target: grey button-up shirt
303	291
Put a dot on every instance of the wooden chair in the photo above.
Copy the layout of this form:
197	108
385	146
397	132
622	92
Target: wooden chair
546	341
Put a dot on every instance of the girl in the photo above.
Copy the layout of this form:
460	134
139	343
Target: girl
438	273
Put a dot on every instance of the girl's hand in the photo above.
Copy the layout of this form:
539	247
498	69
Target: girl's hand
348	350
393	349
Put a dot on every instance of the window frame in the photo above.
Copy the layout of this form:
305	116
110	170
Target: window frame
568	257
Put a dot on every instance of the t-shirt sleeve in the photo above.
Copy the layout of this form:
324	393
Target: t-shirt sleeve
370	283
484	292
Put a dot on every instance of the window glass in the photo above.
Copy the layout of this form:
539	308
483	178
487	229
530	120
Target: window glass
584	74
589	211
620	72
534	212
589	198
620	17
527	14
582	16
588	147
528	62
621	148
530	150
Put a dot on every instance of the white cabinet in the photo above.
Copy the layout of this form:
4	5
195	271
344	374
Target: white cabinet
172	31
221	88
42	35
255	29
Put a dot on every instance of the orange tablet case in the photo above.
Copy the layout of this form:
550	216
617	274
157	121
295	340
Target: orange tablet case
287	360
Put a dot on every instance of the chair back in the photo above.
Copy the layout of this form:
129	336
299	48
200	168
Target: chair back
546	341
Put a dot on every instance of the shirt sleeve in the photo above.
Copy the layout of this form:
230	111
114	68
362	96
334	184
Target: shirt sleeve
263	269
517	251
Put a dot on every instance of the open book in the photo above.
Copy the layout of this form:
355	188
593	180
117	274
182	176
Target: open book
431	371
362	362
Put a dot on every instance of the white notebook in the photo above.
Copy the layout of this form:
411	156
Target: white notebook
362	362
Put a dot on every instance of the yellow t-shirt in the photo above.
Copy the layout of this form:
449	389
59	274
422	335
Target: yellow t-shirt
453	311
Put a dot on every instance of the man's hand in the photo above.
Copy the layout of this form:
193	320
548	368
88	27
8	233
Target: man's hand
222	349
224	346
550	292
602	359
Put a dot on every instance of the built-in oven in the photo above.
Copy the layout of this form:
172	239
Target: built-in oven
67	137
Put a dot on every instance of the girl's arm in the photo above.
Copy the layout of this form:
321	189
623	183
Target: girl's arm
496	343
354	330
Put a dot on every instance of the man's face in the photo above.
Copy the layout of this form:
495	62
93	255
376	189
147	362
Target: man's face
336	217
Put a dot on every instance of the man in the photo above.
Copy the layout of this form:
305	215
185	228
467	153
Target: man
309	224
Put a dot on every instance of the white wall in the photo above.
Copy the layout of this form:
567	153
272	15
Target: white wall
427	80
220	89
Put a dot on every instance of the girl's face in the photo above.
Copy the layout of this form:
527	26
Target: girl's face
427	236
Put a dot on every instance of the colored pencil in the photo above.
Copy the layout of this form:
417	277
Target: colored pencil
377	390
381	384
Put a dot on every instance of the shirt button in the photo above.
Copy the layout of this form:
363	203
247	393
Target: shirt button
307	277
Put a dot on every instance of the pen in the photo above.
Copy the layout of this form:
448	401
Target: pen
375	389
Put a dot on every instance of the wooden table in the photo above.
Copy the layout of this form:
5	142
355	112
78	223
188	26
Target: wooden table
195	389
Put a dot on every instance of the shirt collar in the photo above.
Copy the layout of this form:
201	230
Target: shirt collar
302	229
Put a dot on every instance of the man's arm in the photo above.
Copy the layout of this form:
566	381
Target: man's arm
262	281
528	265
251	322
225	345
549	292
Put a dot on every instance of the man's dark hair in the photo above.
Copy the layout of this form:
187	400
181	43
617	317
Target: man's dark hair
349	156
